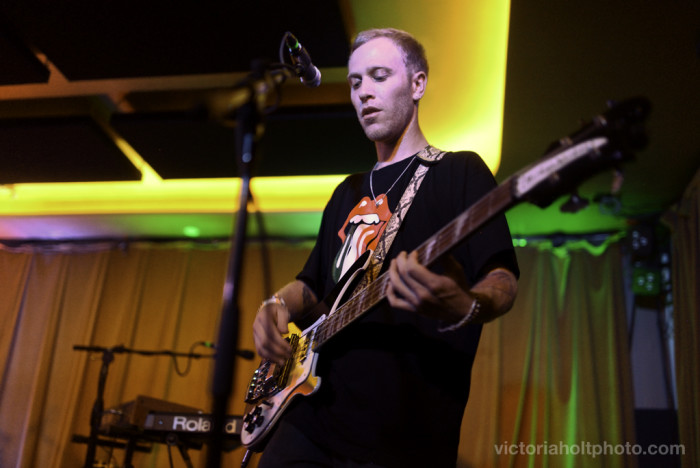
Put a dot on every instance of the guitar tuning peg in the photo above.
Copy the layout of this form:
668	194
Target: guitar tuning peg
574	204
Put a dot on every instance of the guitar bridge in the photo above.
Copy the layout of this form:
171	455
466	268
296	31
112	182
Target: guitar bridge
269	378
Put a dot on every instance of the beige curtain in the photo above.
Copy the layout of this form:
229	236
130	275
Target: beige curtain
555	369
684	222
144	296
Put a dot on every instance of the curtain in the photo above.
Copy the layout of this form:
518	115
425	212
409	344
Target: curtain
143	296
684	223
552	380
554	369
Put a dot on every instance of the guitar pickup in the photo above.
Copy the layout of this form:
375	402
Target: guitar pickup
282	373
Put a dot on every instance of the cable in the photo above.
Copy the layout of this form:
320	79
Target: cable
191	356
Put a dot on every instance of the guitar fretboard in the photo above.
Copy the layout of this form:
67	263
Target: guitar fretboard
493	203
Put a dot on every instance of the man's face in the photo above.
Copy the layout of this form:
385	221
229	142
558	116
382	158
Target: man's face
381	91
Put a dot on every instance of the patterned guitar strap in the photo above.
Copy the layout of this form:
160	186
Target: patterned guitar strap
428	156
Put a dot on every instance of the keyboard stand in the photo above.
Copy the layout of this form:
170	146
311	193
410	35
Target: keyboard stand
172	439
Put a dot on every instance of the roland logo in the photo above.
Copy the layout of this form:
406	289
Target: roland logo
200	424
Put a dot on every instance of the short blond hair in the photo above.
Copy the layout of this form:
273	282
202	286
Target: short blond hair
413	51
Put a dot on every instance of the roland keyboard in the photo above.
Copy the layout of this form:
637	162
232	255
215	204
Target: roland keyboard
151	420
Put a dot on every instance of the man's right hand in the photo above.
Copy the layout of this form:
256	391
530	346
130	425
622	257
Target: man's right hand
271	322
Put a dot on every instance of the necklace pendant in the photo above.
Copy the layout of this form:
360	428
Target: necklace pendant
378	201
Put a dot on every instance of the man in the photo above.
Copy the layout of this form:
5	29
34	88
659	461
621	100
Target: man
395	382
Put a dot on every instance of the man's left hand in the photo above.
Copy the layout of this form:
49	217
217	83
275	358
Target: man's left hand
414	288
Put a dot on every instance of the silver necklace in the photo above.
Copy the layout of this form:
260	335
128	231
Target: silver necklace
371	185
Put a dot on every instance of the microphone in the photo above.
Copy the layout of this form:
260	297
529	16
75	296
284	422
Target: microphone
305	70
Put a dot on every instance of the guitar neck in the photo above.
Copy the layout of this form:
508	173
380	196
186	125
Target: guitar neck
495	202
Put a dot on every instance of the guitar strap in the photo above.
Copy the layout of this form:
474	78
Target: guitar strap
428	156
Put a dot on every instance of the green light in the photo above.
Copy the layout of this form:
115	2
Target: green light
519	242
191	231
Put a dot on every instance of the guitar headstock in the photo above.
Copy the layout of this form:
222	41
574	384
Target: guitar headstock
607	141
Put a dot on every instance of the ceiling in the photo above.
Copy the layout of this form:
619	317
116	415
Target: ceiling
105	91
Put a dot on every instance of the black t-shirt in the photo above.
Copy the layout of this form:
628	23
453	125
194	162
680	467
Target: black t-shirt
393	388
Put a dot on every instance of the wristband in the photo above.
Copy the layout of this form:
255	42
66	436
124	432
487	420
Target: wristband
471	315
275	299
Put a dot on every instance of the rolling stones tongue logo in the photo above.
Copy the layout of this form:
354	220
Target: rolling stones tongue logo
361	231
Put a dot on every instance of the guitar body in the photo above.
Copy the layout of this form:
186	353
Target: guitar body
273	387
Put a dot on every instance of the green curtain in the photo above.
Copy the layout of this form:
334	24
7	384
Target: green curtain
552	378
684	222
555	369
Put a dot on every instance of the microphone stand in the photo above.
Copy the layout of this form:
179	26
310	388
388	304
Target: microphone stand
248	120
98	405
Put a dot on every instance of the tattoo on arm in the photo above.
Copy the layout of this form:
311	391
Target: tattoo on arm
308	298
504	283
306	306
497	293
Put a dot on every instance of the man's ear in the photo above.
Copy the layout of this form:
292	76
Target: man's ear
418	83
